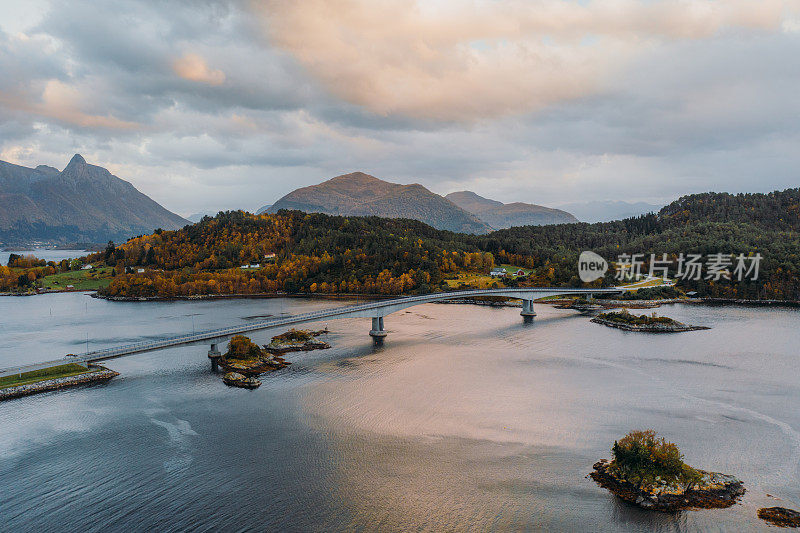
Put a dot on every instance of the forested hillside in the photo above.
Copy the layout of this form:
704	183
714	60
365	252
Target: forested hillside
702	223
292	251
313	253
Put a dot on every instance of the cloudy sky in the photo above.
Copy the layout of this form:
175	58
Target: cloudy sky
207	105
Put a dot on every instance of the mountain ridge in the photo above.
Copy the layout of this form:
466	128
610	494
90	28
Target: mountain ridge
502	216
360	194
83	202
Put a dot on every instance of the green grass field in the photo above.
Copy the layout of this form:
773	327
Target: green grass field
60	371
81	280
483	281
513	268
479	281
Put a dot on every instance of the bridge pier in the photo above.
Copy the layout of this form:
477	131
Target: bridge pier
215	355
527	311
377	332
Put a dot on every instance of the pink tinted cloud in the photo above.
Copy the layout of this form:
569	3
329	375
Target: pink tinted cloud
193	67
471	60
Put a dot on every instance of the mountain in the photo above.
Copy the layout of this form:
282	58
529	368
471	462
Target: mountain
263	209
83	202
197	217
501	216
360	194
606	211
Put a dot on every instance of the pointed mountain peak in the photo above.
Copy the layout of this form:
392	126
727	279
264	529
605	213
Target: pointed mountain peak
76	162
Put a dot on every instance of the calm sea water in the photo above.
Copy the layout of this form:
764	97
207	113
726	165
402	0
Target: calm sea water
48	254
466	419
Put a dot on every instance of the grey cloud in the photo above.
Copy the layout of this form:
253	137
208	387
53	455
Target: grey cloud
715	113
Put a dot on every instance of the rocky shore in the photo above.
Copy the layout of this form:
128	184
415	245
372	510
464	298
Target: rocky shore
18	391
603	304
296	347
649	328
245	361
780	516
244	296
713	491
488	303
296	341
235	379
255	366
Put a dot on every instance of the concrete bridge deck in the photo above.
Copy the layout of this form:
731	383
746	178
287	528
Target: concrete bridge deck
375	310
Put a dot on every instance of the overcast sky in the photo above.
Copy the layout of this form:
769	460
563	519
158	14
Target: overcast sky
207	105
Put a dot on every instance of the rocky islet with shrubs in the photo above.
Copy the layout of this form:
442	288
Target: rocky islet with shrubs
245	360
649	472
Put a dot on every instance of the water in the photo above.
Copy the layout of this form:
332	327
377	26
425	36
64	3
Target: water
48	254
465	419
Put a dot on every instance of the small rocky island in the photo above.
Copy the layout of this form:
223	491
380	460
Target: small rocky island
581	304
649	472
780	516
245	360
297	340
647	323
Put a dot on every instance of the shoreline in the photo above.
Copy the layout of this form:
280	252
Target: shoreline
48	291
651	328
46	385
256	296
631	304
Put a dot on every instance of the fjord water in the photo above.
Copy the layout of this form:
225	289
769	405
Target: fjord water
466	419
48	254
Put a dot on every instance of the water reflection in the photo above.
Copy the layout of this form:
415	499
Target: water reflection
465	419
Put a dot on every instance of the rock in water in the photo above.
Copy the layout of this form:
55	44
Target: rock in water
780	516
714	491
236	379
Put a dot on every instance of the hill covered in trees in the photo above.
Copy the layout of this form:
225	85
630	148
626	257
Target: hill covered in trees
296	252
707	223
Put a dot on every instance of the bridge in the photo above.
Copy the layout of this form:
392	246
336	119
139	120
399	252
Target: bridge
375	310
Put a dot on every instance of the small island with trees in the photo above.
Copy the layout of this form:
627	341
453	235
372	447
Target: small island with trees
649	472
245	360
647	323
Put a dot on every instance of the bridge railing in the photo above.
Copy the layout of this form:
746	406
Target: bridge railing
322	313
